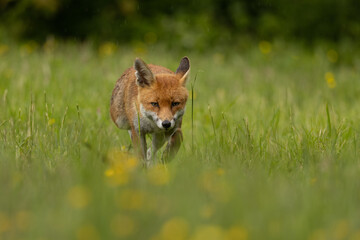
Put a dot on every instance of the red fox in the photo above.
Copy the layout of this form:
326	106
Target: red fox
151	99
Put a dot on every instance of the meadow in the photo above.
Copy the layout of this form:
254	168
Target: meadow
270	151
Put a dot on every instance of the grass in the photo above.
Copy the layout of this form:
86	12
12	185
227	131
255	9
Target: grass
274	154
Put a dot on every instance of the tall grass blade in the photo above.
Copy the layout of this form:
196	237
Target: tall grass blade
212	121
328	119
192	112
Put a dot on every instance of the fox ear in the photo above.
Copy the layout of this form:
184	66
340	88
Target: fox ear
183	70
144	76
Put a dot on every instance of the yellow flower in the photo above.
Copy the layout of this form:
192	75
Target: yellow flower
22	220
355	236
5	224
51	121
87	232
122	159
127	7
175	229
215	185
78	197
122	226
122	165
110	172
265	47
117	176
330	79
29	47
209	232
107	49
318	235
131	163
332	56
207	211
159	175
237	233
313	181
131	200
341	230
220	171
3	49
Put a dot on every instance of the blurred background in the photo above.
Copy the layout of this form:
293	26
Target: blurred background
271	134
189	25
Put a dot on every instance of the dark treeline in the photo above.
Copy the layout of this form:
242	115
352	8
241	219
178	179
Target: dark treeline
189	23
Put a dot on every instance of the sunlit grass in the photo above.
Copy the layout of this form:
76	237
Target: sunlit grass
270	151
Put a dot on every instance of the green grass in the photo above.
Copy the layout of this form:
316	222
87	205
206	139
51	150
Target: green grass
275	152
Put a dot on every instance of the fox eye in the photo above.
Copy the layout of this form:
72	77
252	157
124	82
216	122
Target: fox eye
155	104
174	104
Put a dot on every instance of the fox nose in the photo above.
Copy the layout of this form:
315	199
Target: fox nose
166	124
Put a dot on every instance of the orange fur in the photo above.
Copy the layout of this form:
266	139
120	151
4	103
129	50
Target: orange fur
136	91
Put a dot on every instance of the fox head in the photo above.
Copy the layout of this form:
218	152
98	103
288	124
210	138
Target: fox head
162	97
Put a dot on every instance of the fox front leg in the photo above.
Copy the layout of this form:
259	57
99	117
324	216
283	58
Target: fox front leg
158	140
173	145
